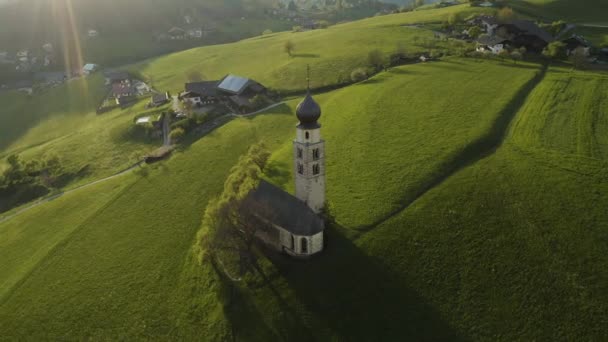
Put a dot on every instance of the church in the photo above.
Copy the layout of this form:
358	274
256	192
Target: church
298	226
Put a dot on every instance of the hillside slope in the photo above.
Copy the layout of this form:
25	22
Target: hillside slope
130	256
578	11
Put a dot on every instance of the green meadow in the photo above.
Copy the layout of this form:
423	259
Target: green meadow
577	11
392	132
332	53
62	122
466	200
450	265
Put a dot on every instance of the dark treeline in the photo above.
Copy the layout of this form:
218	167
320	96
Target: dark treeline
24	181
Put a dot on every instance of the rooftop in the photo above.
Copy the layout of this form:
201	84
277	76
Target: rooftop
205	88
289	212
234	84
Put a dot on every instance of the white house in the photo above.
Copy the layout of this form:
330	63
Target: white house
92	33
494	44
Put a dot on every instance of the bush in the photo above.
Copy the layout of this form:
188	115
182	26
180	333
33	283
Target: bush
322	24
375	59
185	124
297	29
259	101
177	134
358	75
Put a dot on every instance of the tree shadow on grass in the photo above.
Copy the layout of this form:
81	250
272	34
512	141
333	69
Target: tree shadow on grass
306	55
356	298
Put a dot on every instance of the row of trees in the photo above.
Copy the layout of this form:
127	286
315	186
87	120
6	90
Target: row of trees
23	181
232	221
558	51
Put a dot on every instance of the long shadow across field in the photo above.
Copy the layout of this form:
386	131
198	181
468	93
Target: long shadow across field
352	296
473	152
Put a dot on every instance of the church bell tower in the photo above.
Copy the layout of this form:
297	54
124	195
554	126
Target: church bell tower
309	155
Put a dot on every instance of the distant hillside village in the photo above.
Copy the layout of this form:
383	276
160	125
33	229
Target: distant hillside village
96	37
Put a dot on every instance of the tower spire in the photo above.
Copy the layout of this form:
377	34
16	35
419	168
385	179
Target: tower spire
308	77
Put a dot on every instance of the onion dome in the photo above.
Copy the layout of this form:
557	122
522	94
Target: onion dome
308	111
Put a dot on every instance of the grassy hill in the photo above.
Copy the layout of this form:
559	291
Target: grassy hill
55	122
153	293
468	197
332	53
128	32
578	11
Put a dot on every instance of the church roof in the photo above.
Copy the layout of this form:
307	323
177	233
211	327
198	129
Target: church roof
308	111
288	212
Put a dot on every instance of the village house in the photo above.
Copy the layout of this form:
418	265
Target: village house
159	99
200	93
297	227
91	33
492	44
123	92
177	33
89	68
237	91
575	42
240	91
195	33
524	33
114	76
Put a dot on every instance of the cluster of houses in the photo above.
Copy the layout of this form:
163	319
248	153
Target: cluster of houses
26	60
516	34
124	88
232	91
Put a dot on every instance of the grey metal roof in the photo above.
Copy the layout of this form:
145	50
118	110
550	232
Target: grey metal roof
234	84
288	212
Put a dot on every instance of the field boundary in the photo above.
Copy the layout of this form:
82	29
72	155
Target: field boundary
475	151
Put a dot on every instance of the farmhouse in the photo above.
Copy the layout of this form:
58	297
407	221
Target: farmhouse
123	92
525	33
297	226
576	41
493	44
159	99
200	93
89	68
235	90
240	90
113	76
177	33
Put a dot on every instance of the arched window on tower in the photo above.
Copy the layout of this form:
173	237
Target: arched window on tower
316	154
304	246
300	169
307	135
300	153
316	169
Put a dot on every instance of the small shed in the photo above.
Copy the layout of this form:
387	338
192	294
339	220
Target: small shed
89	68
